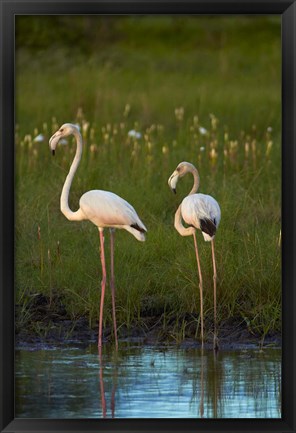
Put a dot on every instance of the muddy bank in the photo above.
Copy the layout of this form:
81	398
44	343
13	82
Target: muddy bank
50	324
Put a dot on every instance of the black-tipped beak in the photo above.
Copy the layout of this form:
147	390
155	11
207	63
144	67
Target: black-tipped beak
173	181
53	152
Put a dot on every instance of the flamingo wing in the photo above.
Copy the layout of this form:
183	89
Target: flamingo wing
203	212
106	209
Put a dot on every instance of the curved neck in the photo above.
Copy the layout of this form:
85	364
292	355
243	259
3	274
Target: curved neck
195	174
184	231
64	201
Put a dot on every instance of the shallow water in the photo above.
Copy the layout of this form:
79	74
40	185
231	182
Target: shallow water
140	382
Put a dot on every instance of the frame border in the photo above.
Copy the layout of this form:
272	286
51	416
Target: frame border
8	10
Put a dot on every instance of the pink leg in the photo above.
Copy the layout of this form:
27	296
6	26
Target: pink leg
200	290
215	343
103	284
112	284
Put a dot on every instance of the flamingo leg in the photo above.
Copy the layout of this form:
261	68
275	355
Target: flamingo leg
112	284
103	286
200	290
215	342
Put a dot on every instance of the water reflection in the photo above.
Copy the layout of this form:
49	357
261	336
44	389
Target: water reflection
102	387
147	382
201	404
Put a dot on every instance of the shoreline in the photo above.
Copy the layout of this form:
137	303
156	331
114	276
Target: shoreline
232	335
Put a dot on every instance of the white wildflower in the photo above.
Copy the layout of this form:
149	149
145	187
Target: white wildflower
134	134
39	138
202	130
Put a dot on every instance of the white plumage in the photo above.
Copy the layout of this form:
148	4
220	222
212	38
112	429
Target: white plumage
200	207
106	209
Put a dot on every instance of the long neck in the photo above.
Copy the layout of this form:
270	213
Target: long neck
64	201
196	180
184	231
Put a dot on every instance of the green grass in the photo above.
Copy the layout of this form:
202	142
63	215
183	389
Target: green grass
225	74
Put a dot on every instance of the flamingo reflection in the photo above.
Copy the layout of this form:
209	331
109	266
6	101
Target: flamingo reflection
201	404
102	388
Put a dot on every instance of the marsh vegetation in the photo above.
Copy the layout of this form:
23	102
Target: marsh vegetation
200	89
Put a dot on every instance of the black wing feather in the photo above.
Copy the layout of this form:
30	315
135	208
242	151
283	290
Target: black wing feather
137	227
208	226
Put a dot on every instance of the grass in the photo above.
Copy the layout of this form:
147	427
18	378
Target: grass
168	78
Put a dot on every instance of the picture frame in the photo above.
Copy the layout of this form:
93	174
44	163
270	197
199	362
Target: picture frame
9	9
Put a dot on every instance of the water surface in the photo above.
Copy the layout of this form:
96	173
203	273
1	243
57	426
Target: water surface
72	382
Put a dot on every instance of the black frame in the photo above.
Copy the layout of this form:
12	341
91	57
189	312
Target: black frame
8	10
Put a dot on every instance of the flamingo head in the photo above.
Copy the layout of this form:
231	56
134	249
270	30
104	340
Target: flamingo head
181	170
64	131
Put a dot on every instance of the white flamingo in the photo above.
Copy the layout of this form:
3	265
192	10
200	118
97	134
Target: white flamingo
102	208
201	212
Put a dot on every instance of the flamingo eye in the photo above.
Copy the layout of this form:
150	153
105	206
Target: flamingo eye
62	129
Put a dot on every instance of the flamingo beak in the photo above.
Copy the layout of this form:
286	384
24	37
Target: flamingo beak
173	180
53	141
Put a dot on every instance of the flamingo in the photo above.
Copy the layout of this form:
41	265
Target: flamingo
104	209
199	211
